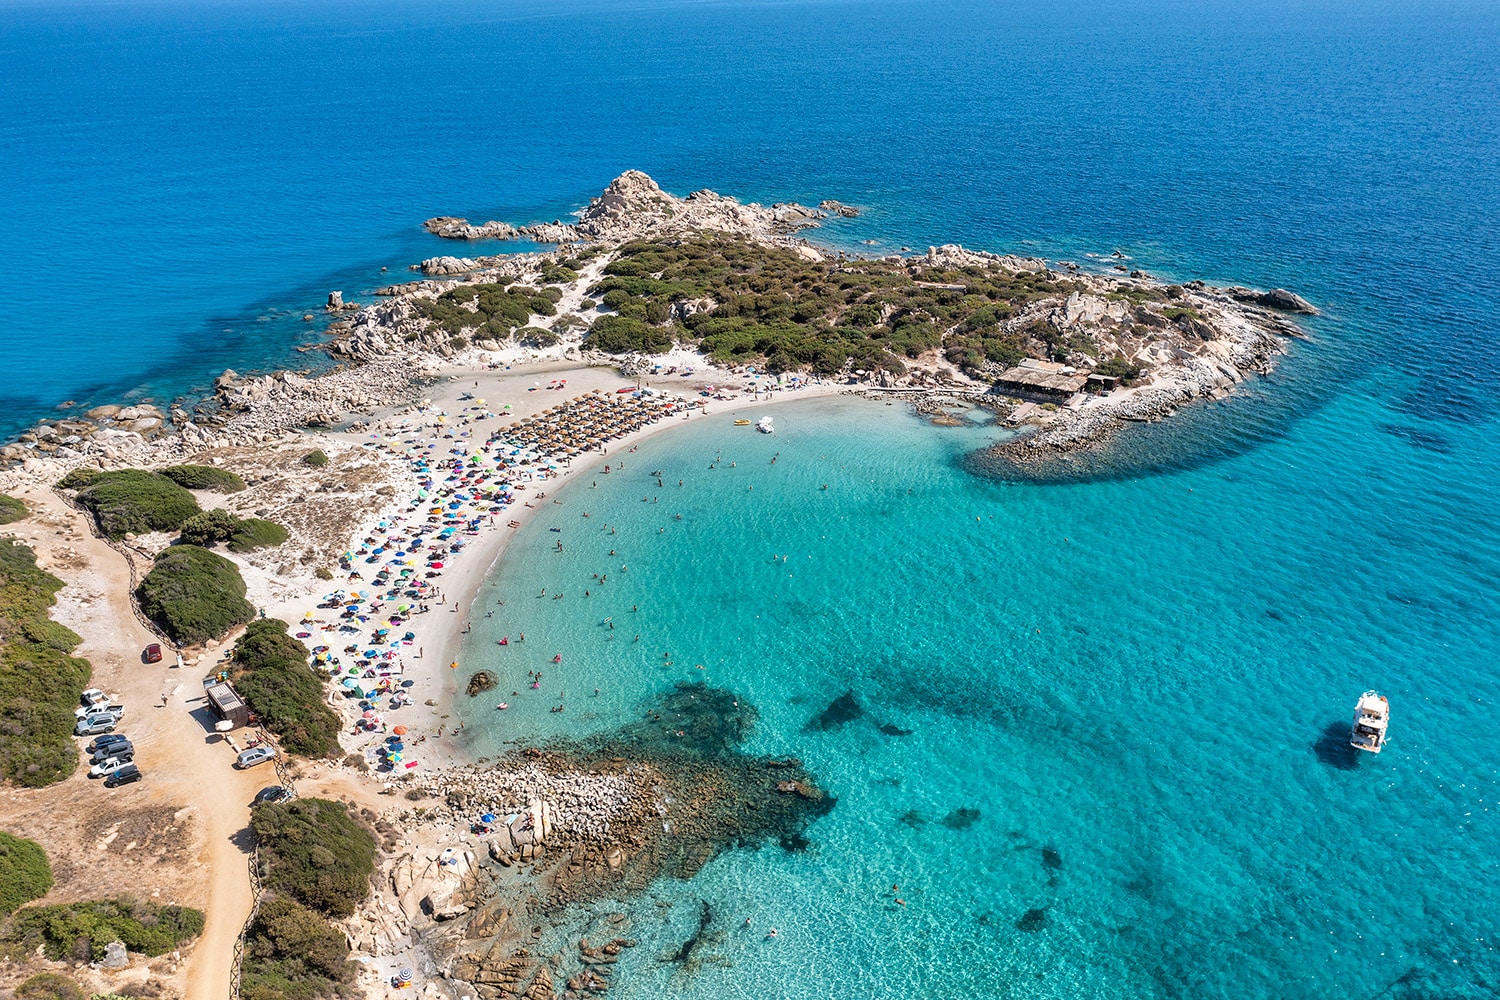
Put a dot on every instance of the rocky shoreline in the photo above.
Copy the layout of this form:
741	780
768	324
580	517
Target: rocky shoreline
550	829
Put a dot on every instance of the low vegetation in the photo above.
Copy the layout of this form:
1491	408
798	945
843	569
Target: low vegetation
243	534
80	931
742	302
134	501
272	675
24	872
12	510
292	953
315	458
79	478
194	595
40	682
204	477
489	311
313	851
50	986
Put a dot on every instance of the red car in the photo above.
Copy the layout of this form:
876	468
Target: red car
153	653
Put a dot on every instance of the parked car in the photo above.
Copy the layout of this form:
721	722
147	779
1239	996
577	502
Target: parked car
153	653
86	710
107	740
111	750
123	776
109	764
275	793
253	756
93	697
93	725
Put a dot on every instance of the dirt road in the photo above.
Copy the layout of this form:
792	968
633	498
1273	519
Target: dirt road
179	835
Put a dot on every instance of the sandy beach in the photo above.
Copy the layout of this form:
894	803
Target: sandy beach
446	415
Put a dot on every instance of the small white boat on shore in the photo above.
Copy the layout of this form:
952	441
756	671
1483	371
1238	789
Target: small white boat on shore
1371	717
764	426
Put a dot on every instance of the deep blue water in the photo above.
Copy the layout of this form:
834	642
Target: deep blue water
179	184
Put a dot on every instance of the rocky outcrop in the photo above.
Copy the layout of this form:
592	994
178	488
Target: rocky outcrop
633	207
448	265
951	256
1277	298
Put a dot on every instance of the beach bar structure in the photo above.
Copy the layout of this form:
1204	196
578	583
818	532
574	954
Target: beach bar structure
1046	381
226	704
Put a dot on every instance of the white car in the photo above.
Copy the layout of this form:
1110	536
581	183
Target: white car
108	765
253	756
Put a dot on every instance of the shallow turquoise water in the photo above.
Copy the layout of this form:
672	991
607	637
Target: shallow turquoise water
1151	677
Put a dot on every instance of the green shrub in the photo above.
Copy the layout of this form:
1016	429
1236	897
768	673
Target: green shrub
536	336
244	534
194	595
50	986
558	274
315	458
497	310
136	501
621	334
253	533
272	675
24	872
1119	367
209	527
39	681
81	930
12	510
79	478
291	953
313	851
204	477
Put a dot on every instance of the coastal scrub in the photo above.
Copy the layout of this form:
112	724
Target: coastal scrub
292	953
135	501
194	595
244	534
488	311
40	681
24	872
204	477
271	674
315	852
81	930
12	510
50	986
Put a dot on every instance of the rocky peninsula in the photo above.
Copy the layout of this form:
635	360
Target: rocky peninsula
1066	355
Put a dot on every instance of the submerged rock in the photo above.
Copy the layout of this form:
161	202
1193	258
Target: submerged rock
482	681
1032	921
843	709
961	818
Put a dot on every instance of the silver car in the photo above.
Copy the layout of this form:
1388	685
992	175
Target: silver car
253	756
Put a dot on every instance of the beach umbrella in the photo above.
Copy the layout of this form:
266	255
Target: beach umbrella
487	818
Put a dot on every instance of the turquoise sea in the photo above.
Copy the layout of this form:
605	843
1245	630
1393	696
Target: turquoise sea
1126	687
